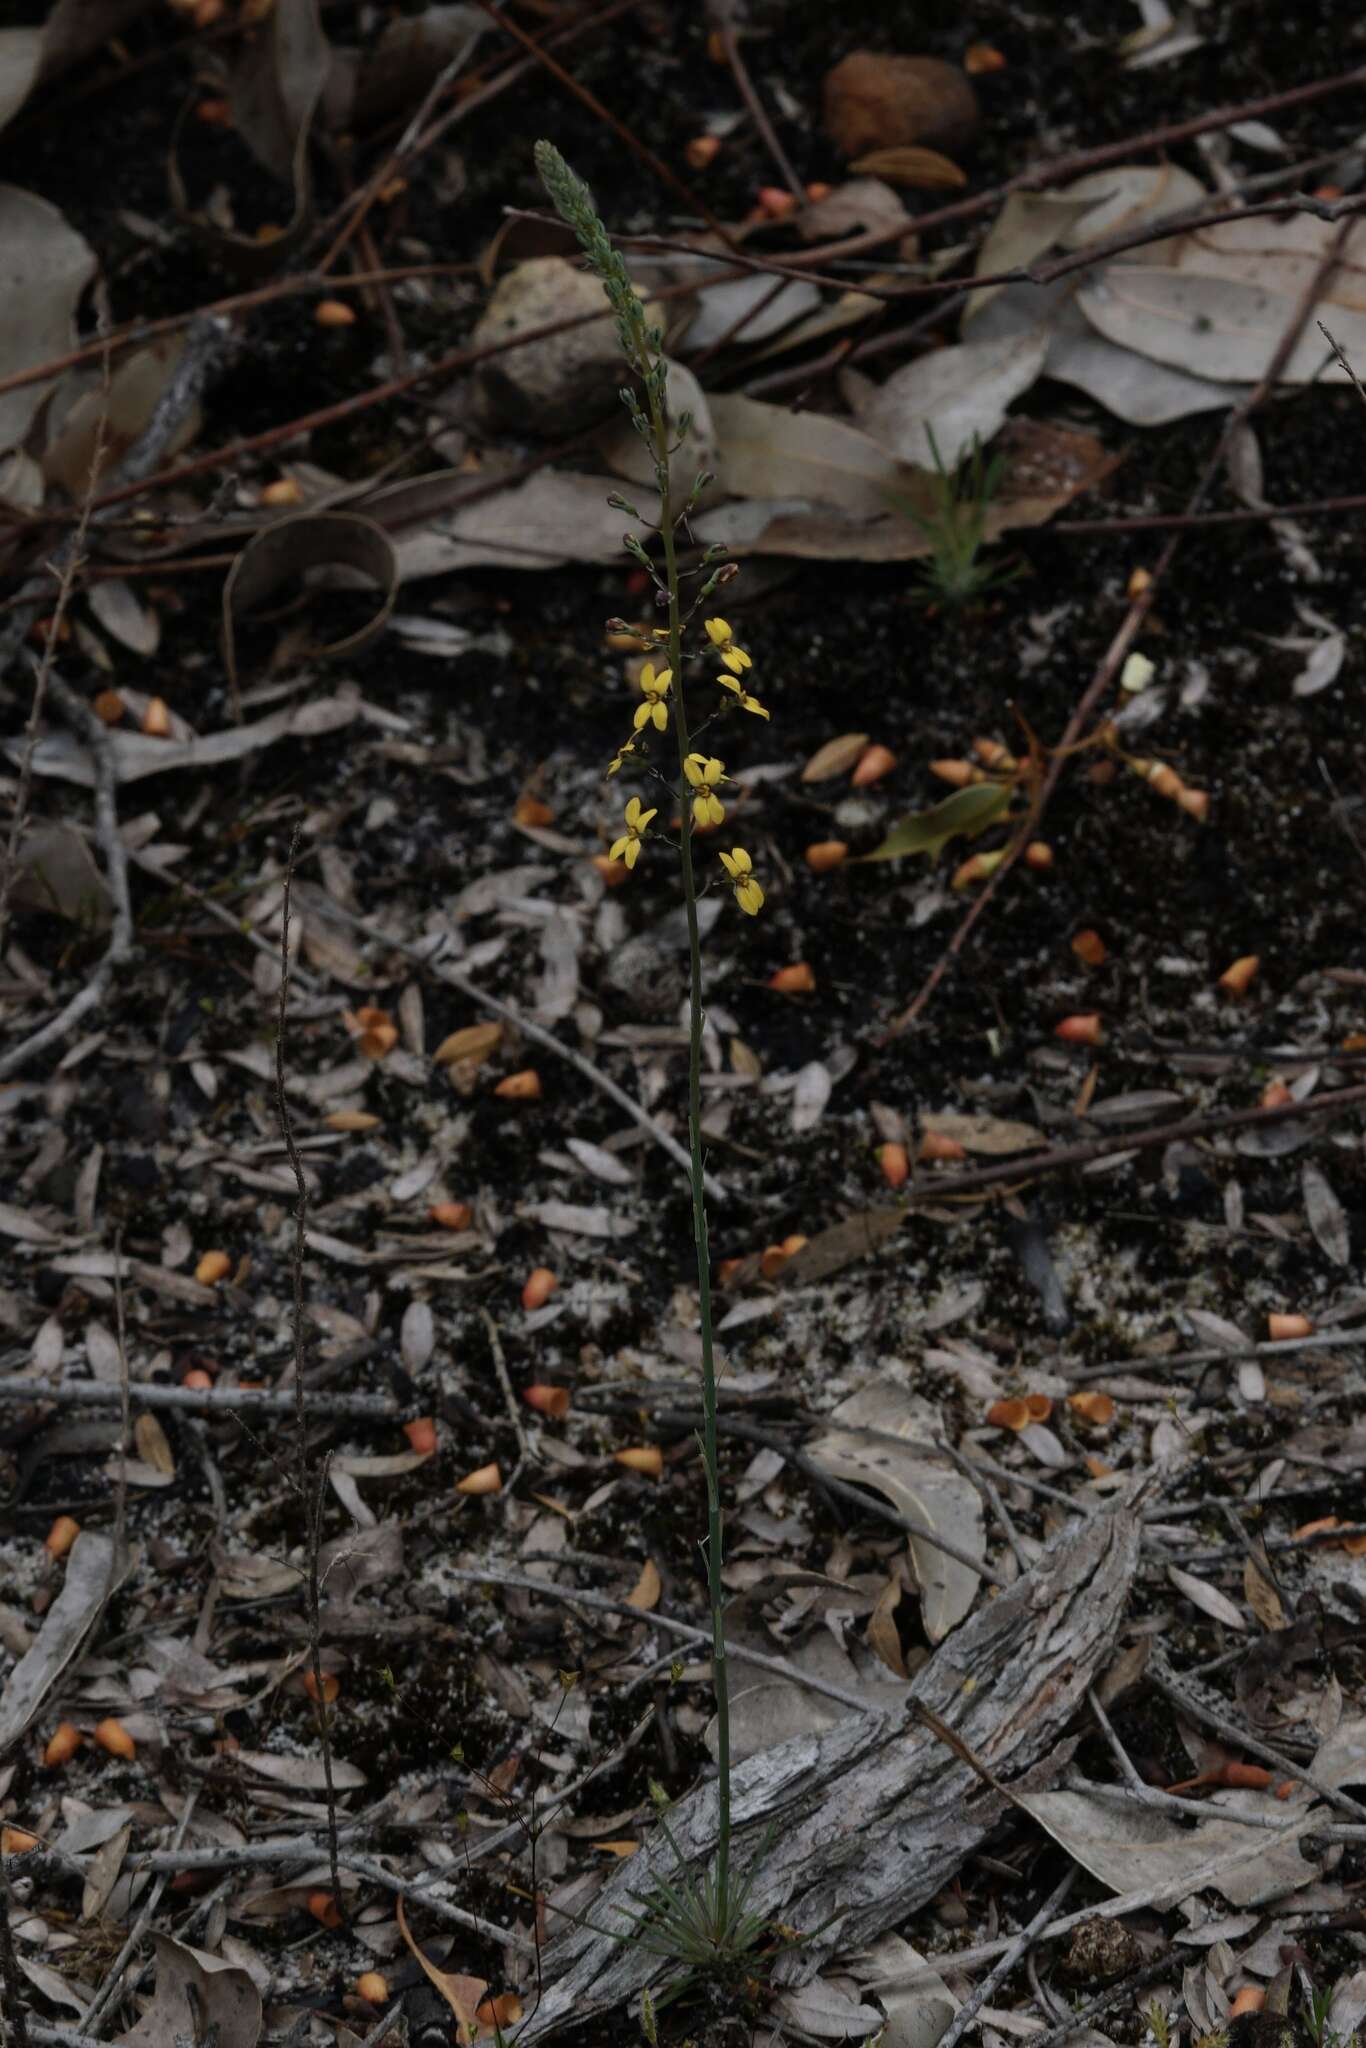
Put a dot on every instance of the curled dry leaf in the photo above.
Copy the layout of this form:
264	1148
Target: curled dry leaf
647	1589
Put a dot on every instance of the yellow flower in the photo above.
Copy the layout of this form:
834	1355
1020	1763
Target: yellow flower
654	688
719	633
748	894
704	772
618	762
627	848
747	703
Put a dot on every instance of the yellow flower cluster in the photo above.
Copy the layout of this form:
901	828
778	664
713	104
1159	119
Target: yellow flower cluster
703	772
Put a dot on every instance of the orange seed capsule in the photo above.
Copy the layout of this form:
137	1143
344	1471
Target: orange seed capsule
325	1910
286	490
484	1479
551	1401
797	980
776	202
818	190
213	1267
794	1243
980	58
727	1270
895	1164
524	1086
373	1988
1238	979
873	763
1038	855
114	1738
16	1841
1281	1328
196	1379
993	755
772	1260
1250	1999
156	719
421	1434
334	313
977	868
539	1285
646	1458
959	773
826	854
61	1536
452	1215
1195	802
331	1686
1009	1415
701	151
108	707
1089	948
1039	1406
62	1745
1095	1408
1276	1095
530	810
613	872
1084	1029
938	1145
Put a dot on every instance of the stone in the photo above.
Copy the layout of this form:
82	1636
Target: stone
567	381
876	101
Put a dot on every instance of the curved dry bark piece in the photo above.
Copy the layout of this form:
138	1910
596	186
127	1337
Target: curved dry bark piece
875	1815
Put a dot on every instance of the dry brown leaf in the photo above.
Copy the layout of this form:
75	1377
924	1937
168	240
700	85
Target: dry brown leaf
836	757
462	1994
475	1042
647	1589
1261	1595
153	1447
907	164
884	1638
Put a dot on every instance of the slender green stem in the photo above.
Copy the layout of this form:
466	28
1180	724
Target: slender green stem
710	1453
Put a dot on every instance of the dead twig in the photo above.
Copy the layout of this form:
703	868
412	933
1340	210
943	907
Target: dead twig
310	1486
1027	1936
197	1401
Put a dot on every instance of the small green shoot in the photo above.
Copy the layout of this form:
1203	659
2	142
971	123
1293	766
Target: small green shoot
955	576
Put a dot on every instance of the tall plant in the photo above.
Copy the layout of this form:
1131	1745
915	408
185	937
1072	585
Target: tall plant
708	1921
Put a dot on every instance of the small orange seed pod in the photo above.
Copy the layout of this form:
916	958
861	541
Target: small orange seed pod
61	1536
484	1479
62	1745
538	1287
115	1740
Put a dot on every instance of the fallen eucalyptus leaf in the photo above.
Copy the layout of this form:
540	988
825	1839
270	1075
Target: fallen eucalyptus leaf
962	815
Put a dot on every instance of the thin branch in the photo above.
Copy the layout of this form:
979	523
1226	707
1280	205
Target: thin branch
1027	1936
310	1487
194	1400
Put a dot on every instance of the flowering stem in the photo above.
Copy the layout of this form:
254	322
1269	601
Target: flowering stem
659	422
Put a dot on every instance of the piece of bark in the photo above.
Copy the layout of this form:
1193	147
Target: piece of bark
875	1815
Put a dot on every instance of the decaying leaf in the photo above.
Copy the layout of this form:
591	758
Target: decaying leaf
460	1992
91	1576
960	816
918	1483
197	1995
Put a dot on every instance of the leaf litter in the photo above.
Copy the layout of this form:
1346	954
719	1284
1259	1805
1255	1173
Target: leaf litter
451	1703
